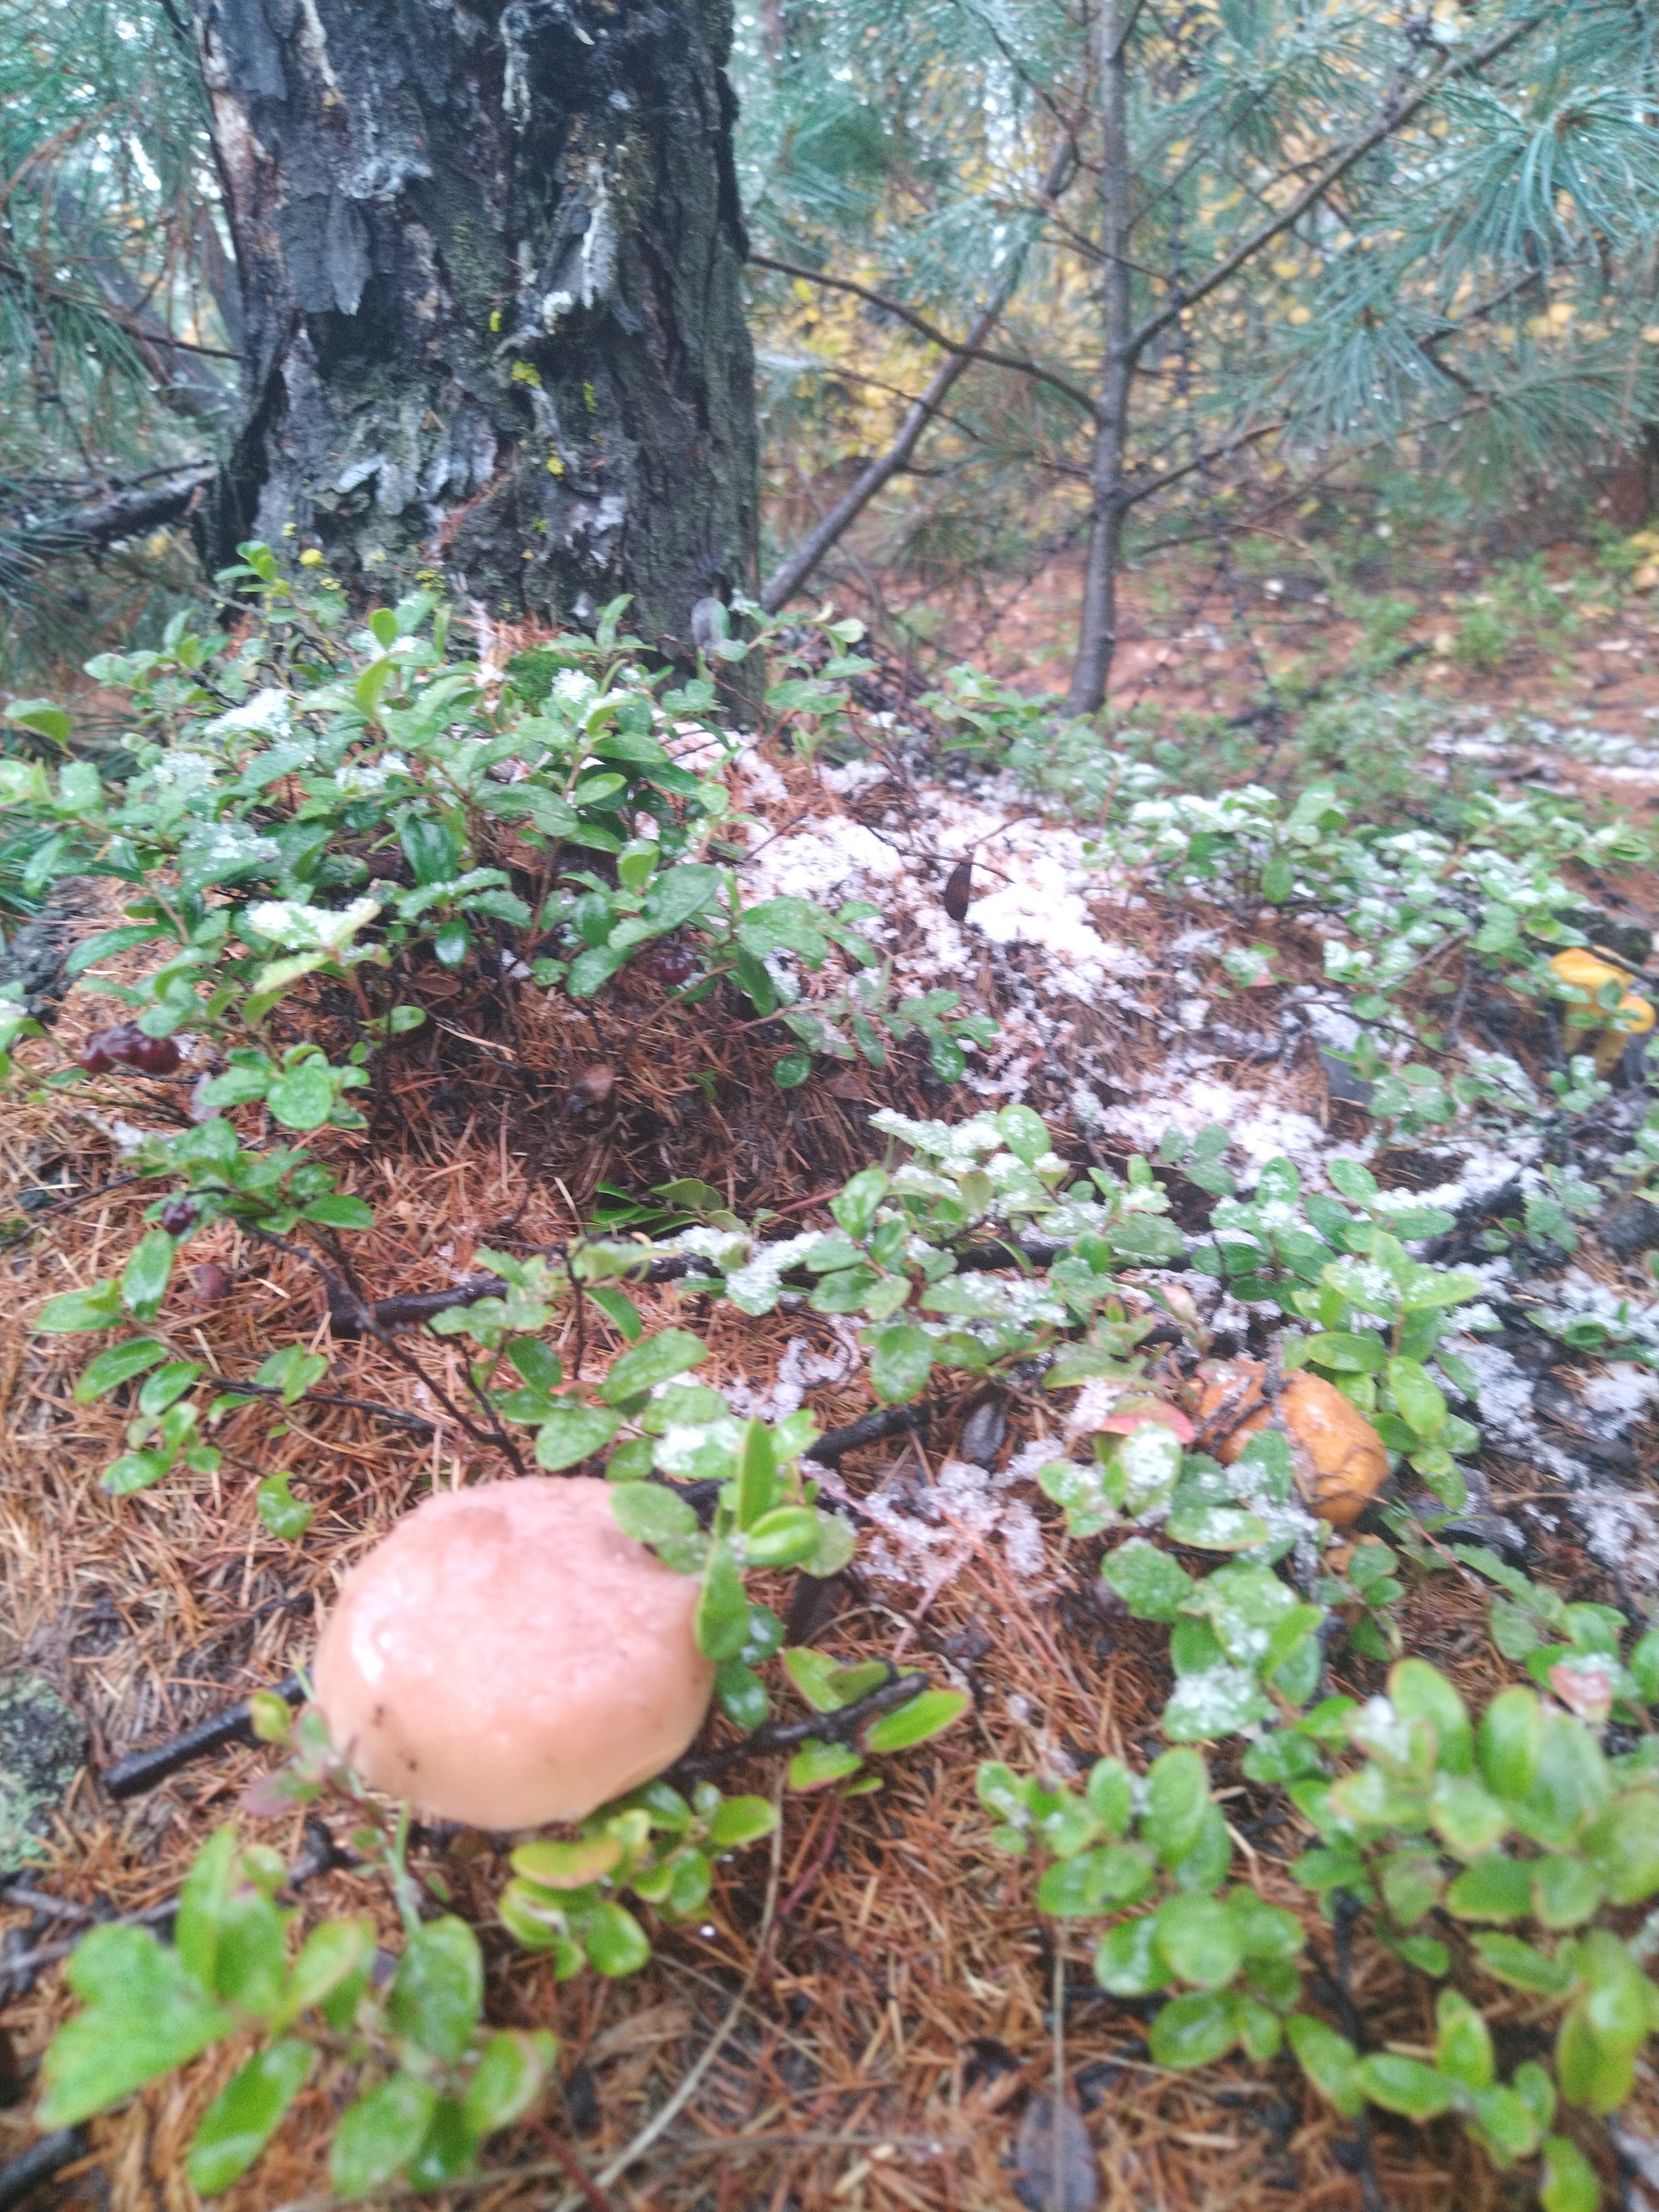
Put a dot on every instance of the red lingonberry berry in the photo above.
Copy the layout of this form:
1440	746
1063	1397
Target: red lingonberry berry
126	1045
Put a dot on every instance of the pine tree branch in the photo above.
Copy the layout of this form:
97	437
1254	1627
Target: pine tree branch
968	349
1393	119
791	573
102	519
1134	492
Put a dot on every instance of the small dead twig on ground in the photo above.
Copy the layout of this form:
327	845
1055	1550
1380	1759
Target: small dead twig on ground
32	1221
417	1424
22	2176
840	1726
142	1769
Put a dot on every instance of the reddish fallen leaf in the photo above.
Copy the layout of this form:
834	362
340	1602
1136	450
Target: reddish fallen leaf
1584	1689
1050	2175
1128	1419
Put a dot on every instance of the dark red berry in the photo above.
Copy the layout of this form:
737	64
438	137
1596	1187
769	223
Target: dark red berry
126	1045
179	1216
153	1056
672	964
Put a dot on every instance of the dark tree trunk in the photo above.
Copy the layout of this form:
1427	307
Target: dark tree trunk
491	263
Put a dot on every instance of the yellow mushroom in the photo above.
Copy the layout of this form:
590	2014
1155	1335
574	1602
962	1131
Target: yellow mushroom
1336	1456
1590	972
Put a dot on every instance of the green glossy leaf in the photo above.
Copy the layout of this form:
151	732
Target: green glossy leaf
1420	1692
1511	1742
303	1098
614	1940
77	1311
1496	1887
144	2016
651	1513
293	1371
678	893
331	1957
1568	2182
510	2075
285	1515
117	1365
1505	2124
1177	1804
1419	1399
928	1715
1213	1702
245	2115
1096	1881
1622	1845
145	1279
1330	2060
786	1537
1194	2030
900	1360
1200	1940
816	1763
1109	1791
1570	1786
1466	1816
1151	1584
437	1993
338	1210
1127	1962
1411	1884
379	2135
1509	1960
1463	2042
572	1433
1405	2085
739	1821
657	1359
1216	1528
1595	2074
1565	1891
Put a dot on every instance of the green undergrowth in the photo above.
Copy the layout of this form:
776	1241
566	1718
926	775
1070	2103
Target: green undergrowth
313	808
977	1256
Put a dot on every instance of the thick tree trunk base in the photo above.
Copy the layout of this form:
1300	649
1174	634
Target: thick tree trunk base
491	264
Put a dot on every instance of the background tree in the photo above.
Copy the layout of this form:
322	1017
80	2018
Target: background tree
1312	234
491	280
118	309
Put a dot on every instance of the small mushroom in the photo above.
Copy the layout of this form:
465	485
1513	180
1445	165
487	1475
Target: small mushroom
507	1656
1336	1456
1633	1016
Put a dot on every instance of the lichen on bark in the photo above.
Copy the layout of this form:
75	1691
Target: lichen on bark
491	262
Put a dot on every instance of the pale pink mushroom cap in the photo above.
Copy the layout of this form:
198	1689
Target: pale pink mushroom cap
506	1656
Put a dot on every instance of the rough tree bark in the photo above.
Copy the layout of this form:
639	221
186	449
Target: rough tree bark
491	262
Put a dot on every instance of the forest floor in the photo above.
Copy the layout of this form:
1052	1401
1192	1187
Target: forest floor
880	2009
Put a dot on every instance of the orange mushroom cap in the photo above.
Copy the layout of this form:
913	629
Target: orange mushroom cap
1338	1459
